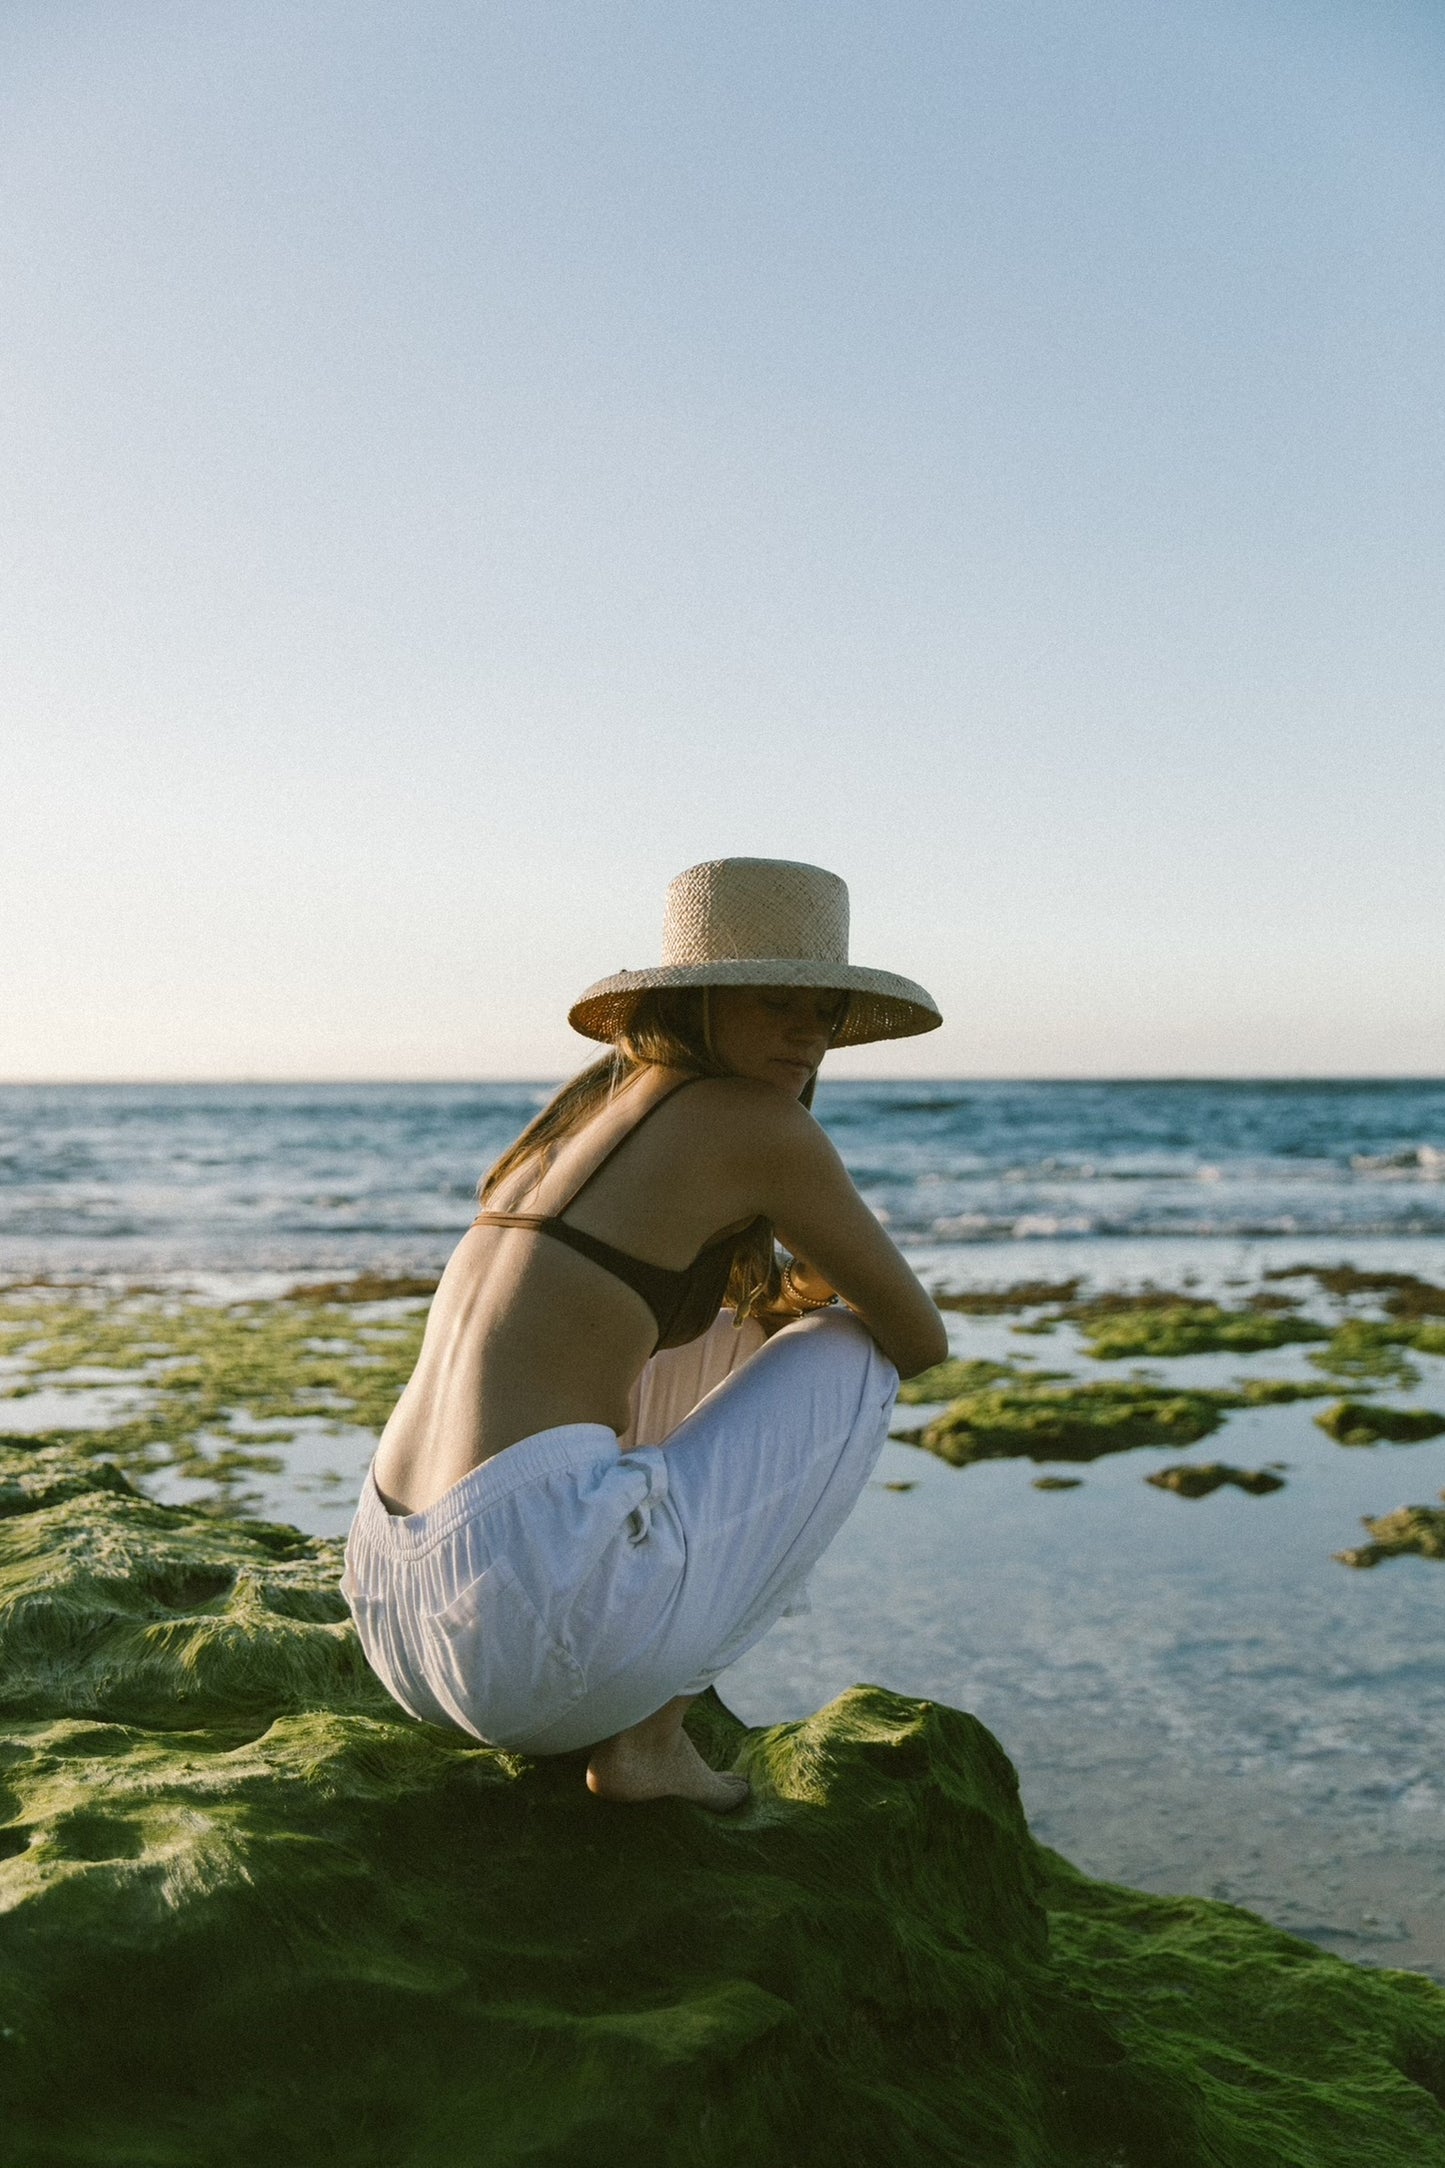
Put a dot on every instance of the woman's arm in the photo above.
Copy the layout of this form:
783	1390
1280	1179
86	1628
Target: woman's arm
807	1193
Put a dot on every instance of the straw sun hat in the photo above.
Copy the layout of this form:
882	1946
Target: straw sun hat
762	922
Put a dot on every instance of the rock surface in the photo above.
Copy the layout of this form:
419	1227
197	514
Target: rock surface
249	1913
1198	1478
1362	1422
1077	1422
1115	1326
1411	1531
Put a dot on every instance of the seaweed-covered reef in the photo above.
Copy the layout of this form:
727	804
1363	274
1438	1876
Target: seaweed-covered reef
1365	1422
1115	1326
1157	1322
1402	1294
1200	1478
1064	1422
1417	1531
1005	1413
250	1912
211	1389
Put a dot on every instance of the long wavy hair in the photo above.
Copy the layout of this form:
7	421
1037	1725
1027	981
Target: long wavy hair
668	1029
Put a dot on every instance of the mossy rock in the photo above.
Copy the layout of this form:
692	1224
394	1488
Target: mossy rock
1197	1479
1114	1329
1273	1392
951	1379
1361	1422
366	1287
1404	1294
1411	1531
1373	1349
1067	1422
217	1386
249	1912
1000	1301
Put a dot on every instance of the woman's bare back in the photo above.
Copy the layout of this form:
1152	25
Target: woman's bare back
524	1334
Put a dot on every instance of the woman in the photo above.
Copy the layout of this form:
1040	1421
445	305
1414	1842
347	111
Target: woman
530	1560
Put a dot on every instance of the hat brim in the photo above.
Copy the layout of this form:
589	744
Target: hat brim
881	1005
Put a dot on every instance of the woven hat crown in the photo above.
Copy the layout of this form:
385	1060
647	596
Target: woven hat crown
734	908
761	922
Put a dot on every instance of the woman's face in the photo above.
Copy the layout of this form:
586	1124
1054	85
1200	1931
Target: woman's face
774	1034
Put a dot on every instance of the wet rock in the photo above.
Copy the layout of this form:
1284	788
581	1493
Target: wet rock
1114	1327
364	1287
1404	1294
1362	1422
1058	1482
998	1302
1370	1350
1196	1479
1273	1392
1417	1531
950	1379
252	1913
208	1377
1066	1422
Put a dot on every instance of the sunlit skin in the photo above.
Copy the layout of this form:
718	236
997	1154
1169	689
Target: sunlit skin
494	1366
776	1035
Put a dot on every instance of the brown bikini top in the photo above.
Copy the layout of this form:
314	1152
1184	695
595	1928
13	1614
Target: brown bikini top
684	1303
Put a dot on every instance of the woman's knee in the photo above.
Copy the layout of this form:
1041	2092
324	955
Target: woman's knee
839	1345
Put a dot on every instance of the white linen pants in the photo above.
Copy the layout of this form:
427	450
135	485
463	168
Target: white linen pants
568	1588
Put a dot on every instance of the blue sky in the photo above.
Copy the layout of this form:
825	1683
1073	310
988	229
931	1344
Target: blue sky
467	462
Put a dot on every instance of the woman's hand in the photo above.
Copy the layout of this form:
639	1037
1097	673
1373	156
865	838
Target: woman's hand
802	1288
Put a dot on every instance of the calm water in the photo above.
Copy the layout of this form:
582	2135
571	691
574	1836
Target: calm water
1196	1695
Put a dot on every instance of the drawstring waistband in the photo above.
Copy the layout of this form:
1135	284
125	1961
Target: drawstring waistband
530	1460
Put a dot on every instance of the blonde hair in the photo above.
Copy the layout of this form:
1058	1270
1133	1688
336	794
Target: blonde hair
670	1028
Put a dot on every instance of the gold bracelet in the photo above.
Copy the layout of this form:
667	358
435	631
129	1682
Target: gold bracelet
796	1295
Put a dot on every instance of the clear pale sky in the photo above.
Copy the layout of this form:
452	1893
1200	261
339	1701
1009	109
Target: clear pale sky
465	463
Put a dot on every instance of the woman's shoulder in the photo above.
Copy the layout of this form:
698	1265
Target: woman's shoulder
735	1107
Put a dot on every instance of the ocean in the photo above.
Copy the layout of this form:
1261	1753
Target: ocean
282	1178
1197	1694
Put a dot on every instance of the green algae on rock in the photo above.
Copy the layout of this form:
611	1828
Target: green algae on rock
1272	1392
998	1302
1417	1531
1066	1422
1197	1479
116	1608
216	1386
365	1287
1372	1350
950	1379
1114	1327
249	1912
1058	1482
1037	1418
1362	1422
327	1934
1404	1294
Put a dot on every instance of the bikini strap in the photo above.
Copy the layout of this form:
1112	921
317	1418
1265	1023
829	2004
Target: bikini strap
535	1219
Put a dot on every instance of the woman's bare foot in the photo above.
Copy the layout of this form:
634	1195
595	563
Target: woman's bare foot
656	1760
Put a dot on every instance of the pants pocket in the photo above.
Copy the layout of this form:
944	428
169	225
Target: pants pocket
493	1664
